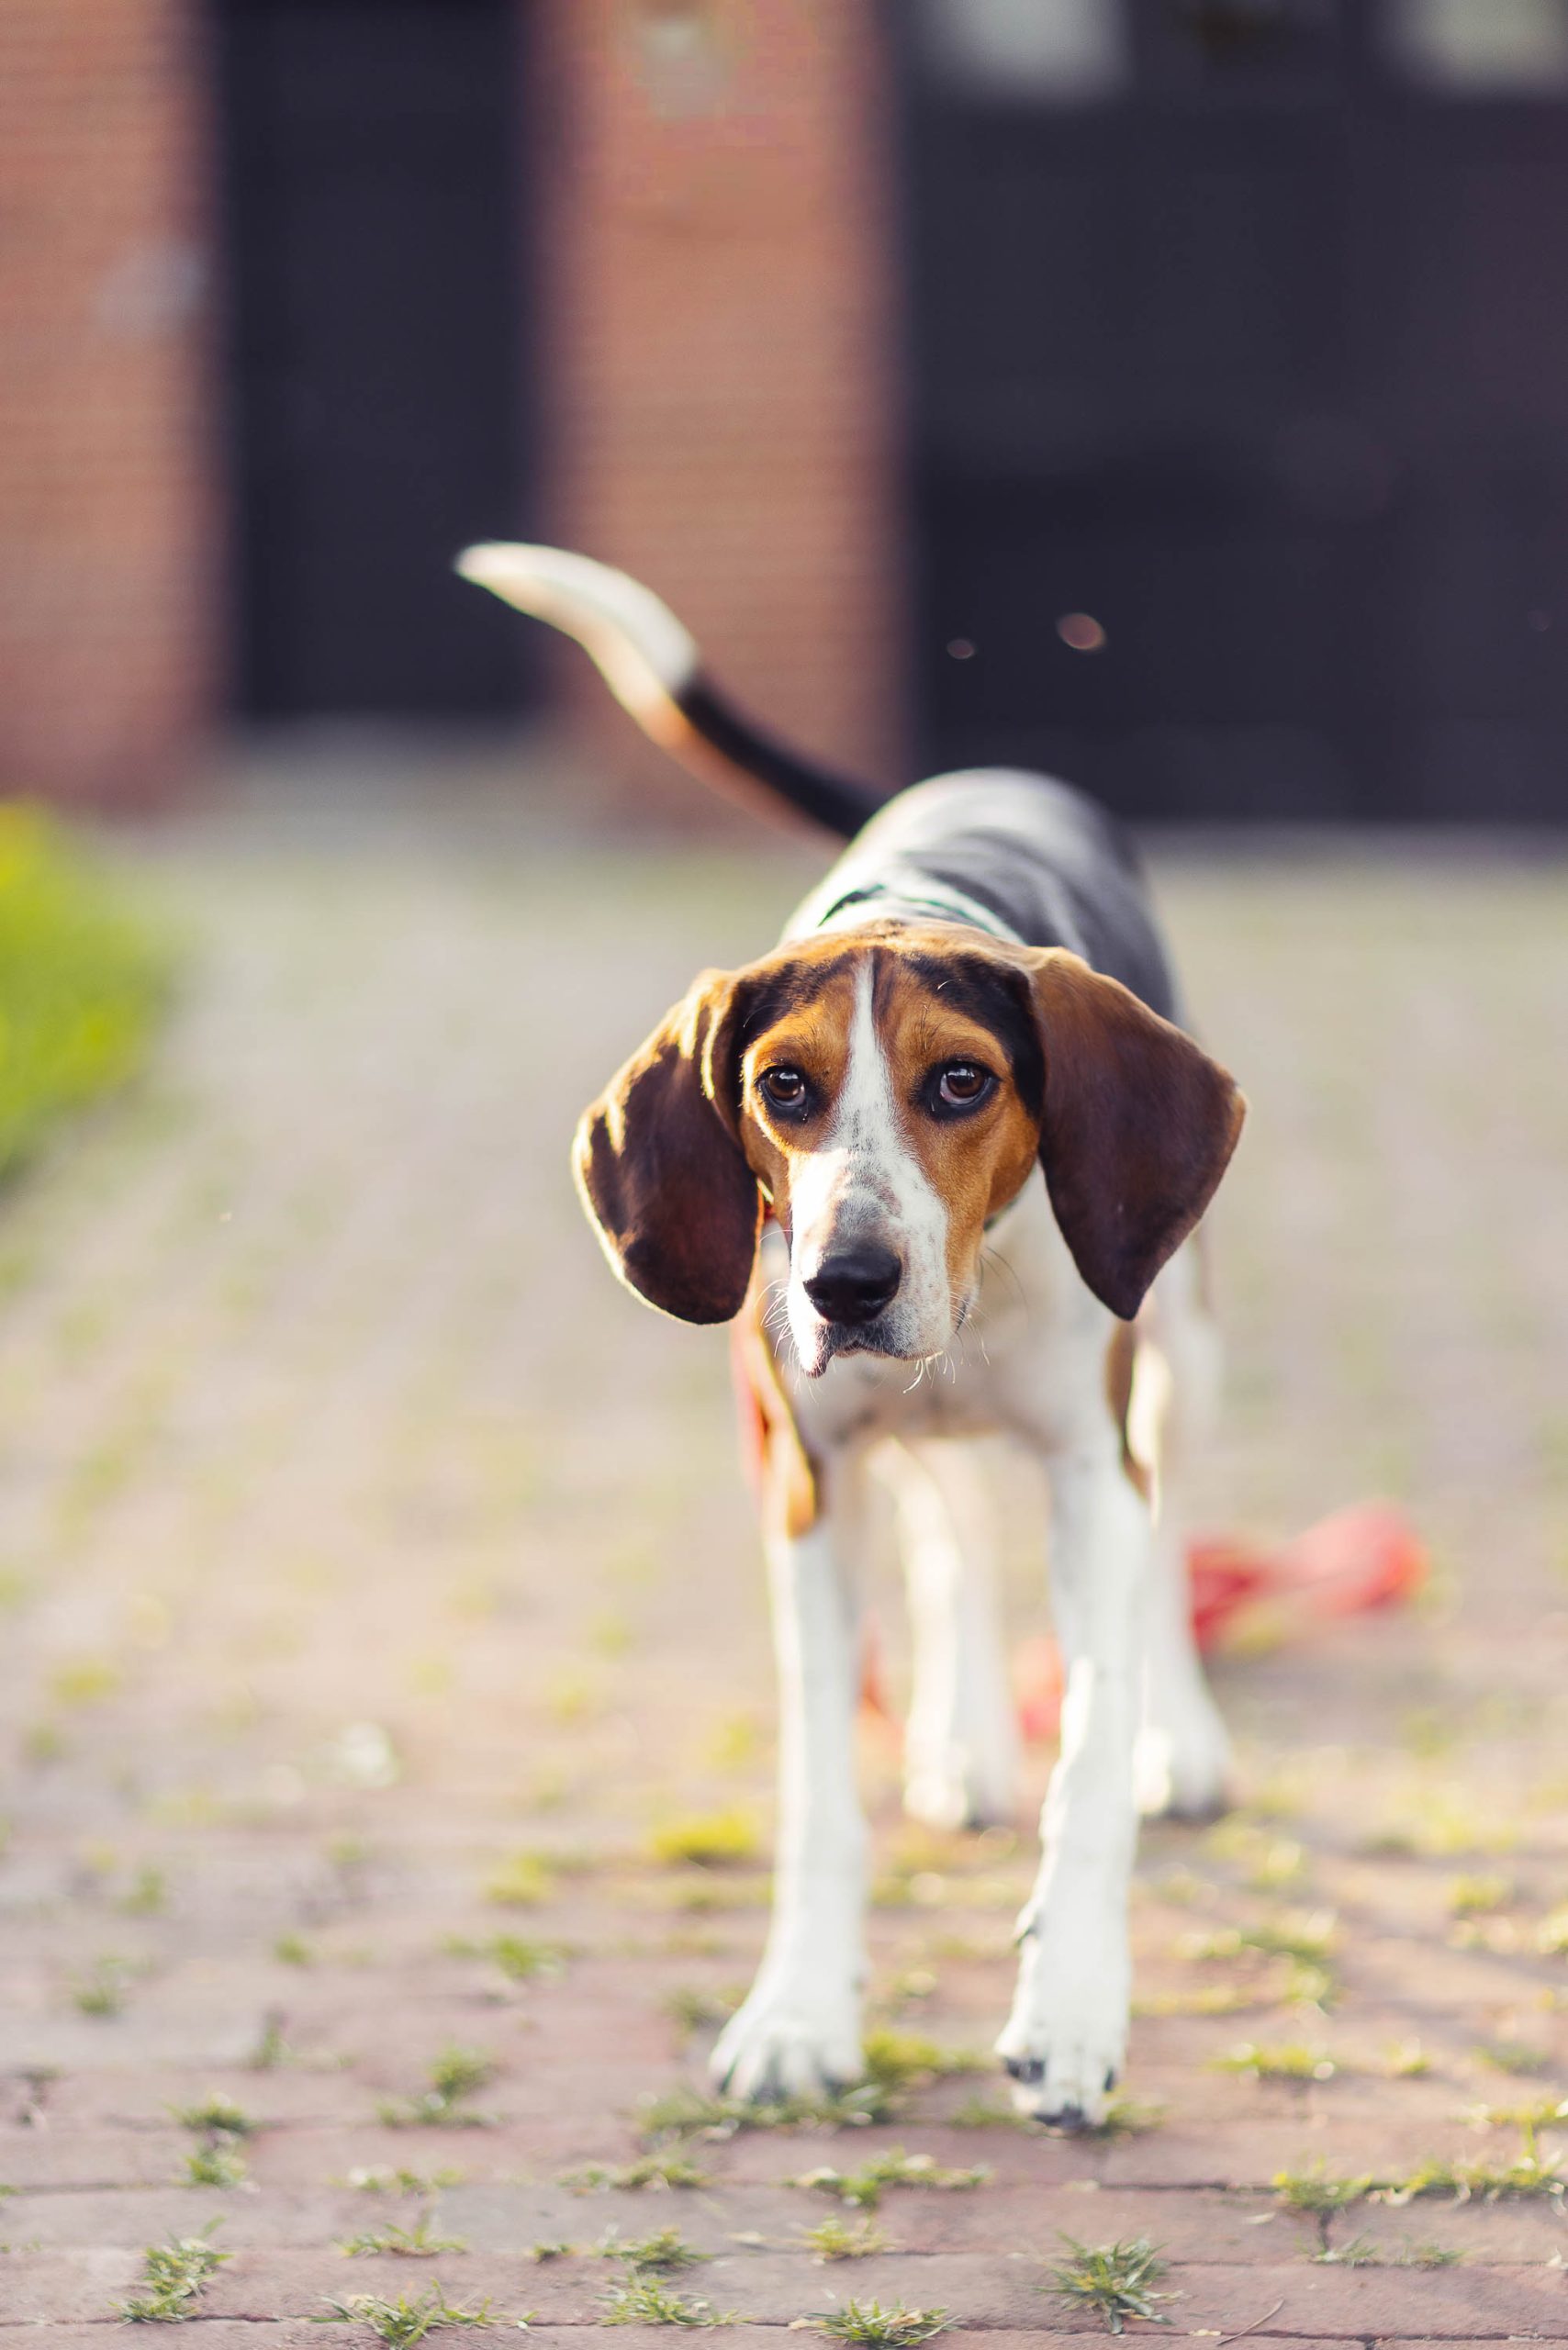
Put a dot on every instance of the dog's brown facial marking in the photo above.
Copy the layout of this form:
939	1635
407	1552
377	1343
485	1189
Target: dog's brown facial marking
887	1090
882	1111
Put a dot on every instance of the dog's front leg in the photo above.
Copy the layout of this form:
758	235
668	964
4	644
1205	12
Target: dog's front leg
1064	2040
798	2033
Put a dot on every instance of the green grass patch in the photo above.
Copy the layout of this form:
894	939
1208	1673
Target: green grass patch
1125	2117
863	2189
382	2178
1319	2191
1282	2061
869	2324
1478	1896
455	2076
520	1957
836	2239
402	2322
1516	2057
907	2060
1116	2281
661	2252
217	2113
646	2301
521	1883
103	1990
1475	2179
175	2276
218	2163
665	2167
83	980
728	1837
416	2243
688	2113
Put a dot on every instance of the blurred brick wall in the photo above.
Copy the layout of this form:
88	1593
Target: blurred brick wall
107	528
713	182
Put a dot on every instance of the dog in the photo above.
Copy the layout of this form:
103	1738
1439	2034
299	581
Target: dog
941	1154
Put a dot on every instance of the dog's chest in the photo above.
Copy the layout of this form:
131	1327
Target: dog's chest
1029	1358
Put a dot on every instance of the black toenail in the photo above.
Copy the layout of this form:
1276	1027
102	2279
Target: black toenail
1110	2077
1027	2069
1069	2117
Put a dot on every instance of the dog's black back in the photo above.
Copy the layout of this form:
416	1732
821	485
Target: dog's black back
1042	861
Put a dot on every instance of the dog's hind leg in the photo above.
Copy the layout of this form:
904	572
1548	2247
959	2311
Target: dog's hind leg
798	2032
961	1741
1182	1765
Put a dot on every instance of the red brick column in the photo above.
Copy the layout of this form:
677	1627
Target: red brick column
713	185
107	526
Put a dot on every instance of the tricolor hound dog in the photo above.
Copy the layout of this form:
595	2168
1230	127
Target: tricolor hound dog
949	1123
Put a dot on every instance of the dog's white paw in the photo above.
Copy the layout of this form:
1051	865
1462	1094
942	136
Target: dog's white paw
959	1789
1182	1765
788	2039
1065	2043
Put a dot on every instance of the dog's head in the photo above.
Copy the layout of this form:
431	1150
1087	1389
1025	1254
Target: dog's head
885	1092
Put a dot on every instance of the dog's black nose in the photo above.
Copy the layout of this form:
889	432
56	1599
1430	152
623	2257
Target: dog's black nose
854	1285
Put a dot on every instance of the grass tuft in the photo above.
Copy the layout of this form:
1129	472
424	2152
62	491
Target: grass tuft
218	2163
102	1990
217	2113
1285	2061
836	2239
906	2060
1477	1896
662	2252
1514	2057
686	2113
869	2324
644	2301
412	2243
175	2275
862	2188
710	1839
1117	2280
1361	2251
1317	2188
521	1883
665	2167
693	2008
401	2322
379	2179
1529	2172
520	1957
455	2076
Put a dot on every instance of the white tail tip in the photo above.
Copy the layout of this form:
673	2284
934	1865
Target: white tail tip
636	640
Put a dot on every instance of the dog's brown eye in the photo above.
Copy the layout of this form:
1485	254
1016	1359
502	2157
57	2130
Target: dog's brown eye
961	1084
785	1088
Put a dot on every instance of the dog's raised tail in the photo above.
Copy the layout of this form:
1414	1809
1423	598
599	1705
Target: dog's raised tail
652	665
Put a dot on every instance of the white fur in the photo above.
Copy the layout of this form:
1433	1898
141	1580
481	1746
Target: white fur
961	1759
1030	1364
866	1183
644	654
799	2031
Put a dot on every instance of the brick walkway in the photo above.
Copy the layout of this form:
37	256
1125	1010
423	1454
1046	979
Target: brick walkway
379	1585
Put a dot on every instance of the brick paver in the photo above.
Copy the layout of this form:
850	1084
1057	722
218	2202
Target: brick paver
366	1554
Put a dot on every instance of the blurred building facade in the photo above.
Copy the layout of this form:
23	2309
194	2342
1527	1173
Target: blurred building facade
1171	392
297	296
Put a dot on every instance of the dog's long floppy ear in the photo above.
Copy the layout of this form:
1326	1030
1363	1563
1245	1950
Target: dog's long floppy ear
1138	1126
659	1166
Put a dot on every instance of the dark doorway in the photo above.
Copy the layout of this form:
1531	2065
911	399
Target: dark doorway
1239	428
371	154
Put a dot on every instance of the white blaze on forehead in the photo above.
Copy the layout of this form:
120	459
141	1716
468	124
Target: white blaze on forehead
865	1184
